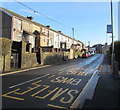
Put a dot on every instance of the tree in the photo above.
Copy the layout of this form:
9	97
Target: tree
116	51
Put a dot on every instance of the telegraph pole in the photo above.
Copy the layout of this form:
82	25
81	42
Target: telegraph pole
73	35
113	56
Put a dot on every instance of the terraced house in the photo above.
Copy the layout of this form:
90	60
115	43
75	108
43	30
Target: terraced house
30	42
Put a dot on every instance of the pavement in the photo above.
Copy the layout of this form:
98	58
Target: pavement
107	92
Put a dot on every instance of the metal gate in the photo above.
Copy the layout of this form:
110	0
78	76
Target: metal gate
14	60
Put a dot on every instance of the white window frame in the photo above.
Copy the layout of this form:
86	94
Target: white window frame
19	24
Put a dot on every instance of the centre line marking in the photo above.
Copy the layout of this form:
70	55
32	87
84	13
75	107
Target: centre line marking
28	81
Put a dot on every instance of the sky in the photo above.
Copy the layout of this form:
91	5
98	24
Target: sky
89	19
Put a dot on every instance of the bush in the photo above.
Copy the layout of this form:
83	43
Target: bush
116	51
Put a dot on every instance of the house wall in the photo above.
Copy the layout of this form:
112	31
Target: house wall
56	40
17	29
51	38
44	40
35	27
6	25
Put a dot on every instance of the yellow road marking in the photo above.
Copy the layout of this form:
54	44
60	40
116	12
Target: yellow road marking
30	89
51	76
60	72
40	90
24	70
56	106
74	72
35	83
43	97
6	95
79	73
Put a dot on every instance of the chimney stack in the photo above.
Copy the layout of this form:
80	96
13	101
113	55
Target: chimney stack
48	26
30	17
60	31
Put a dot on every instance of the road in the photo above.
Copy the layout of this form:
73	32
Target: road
53	86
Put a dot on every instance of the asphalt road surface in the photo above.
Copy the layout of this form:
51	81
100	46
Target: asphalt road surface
51	86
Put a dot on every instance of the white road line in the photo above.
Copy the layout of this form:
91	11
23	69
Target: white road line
28	81
79	101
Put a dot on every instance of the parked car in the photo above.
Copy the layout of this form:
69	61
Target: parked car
92	53
85	55
89	54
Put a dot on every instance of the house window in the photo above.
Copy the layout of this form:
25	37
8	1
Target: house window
19	37
43	40
58	44
19	25
47	33
58	37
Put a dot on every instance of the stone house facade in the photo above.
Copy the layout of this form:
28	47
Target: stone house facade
29	39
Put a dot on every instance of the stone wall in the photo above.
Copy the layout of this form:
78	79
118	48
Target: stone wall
51	58
66	56
27	59
5	54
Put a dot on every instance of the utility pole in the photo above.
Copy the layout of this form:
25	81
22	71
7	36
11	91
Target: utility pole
88	45
113	56
73	35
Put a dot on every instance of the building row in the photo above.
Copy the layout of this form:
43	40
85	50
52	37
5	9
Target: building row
28	36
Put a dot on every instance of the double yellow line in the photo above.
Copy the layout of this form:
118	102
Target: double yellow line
24	70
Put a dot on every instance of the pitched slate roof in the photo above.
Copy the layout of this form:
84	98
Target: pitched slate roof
25	18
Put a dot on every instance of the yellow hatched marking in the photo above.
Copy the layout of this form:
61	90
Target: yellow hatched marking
74	72
7	95
29	88
56	106
69	72
35	83
51	76
79	73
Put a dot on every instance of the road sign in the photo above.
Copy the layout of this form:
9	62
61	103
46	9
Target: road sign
109	28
